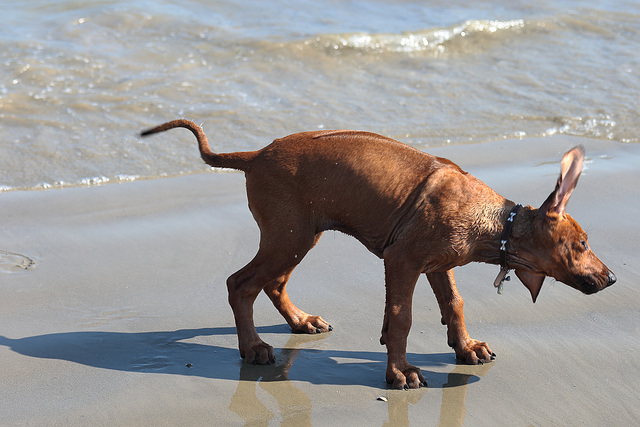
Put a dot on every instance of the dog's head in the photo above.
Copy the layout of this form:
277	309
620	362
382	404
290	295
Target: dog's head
558	247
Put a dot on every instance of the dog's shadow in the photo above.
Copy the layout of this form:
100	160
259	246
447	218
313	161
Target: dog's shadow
178	353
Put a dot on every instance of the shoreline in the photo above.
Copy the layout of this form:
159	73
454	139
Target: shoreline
101	180
128	288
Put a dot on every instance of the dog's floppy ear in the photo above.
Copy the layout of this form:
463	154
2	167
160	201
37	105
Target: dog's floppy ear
569	174
533	282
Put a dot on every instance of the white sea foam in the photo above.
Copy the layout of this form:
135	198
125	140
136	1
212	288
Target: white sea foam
432	40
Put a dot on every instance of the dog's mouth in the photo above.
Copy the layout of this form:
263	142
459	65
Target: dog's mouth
590	284
588	287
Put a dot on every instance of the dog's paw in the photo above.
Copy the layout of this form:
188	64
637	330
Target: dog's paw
474	352
259	353
312	325
406	378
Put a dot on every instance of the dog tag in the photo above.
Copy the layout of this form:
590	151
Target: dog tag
501	285
502	277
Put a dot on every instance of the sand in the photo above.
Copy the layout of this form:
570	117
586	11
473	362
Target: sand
122	319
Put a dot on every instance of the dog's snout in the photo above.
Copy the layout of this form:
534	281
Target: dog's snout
611	279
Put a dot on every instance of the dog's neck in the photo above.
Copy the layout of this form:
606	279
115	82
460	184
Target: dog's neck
490	236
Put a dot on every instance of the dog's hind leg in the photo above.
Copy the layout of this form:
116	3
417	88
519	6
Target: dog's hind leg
243	287
296	318
270	269
451	307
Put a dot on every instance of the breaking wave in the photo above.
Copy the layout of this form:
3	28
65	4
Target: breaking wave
601	127
435	41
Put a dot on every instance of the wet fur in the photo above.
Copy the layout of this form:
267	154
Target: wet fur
421	214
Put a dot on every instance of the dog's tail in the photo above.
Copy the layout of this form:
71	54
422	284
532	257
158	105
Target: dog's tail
224	160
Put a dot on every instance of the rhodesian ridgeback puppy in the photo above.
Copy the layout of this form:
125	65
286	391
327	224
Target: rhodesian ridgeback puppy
419	213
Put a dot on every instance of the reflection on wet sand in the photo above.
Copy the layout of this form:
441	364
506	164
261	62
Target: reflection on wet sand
398	406
295	406
187	352
454	393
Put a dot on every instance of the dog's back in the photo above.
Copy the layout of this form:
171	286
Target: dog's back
334	176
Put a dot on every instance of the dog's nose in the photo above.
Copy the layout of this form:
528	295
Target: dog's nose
611	279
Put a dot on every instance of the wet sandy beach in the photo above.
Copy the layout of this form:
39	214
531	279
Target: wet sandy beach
122	318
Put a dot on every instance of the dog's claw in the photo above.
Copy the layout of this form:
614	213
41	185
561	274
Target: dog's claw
474	352
259	353
310	325
407	378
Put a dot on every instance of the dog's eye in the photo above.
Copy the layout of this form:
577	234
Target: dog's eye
585	245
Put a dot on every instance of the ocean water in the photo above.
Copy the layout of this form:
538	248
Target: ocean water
80	79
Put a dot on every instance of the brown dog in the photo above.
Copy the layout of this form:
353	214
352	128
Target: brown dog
419	213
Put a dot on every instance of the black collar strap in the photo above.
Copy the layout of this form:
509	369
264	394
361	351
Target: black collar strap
504	239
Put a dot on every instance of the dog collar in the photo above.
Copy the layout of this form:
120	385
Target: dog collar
504	239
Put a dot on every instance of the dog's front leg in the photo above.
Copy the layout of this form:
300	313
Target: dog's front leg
400	281
467	349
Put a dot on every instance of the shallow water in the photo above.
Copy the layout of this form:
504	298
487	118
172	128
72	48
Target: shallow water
80	79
